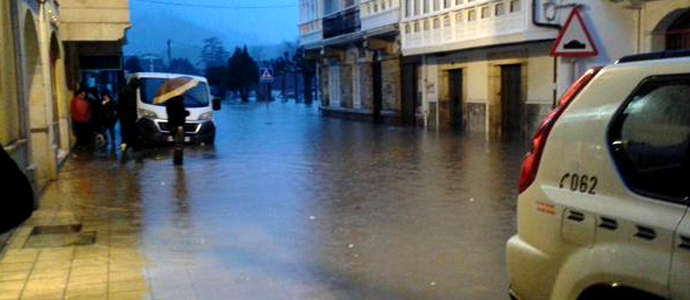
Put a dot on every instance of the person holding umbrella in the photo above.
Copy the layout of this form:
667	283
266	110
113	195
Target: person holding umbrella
171	93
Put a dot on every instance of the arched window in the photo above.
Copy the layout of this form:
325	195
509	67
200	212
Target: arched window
678	34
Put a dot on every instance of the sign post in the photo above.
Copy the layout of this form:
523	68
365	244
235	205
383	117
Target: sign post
574	41
265	92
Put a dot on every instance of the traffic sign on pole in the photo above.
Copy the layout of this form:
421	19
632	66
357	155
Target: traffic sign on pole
574	39
266	75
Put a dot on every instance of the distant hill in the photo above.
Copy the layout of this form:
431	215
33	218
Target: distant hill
150	34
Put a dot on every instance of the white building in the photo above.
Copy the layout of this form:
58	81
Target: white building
356	45
485	65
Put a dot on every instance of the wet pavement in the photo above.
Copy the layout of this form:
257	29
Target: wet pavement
286	205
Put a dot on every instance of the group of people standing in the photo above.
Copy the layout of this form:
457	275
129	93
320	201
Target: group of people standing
94	116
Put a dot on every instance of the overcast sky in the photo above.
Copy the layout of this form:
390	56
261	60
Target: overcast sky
236	22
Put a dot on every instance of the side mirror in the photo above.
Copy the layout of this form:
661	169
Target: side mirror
216	104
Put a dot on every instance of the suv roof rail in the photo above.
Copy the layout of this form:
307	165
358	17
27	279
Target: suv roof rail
654	55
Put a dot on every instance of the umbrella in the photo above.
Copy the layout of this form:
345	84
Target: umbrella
174	87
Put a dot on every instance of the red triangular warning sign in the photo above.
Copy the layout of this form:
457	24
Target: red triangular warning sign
574	39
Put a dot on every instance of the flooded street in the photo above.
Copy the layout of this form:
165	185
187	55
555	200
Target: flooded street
291	205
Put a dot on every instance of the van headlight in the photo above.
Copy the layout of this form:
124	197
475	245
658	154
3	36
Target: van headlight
145	113
206	116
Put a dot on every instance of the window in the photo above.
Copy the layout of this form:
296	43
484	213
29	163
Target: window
678	34
485	12
407	7
407	28
437	23
458	2
416	27
383	5
426	25
458	18
499	9
426	6
437	5
416	7
514	5
650	139
446	4
376	7
471	15
446	21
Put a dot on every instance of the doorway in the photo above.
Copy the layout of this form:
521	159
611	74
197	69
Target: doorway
511	98
409	92
455	84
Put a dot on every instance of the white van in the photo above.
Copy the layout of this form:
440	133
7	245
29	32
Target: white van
152	119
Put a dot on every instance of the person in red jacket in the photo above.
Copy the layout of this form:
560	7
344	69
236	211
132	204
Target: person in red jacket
81	118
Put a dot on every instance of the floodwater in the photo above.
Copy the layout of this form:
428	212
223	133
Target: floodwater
291	205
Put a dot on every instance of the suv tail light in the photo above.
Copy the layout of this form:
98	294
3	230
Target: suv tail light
531	163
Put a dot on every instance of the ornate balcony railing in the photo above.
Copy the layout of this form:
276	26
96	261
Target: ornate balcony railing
342	22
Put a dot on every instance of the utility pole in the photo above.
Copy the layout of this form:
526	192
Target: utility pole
169	54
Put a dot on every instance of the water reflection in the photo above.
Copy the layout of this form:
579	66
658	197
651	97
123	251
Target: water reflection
291	205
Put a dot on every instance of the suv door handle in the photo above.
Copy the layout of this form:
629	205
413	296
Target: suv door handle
645	233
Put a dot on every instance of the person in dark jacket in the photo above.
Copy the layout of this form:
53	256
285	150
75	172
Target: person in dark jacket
177	114
127	112
18	203
108	116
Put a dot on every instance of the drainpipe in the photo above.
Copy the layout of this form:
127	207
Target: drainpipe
425	100
541	24
555	59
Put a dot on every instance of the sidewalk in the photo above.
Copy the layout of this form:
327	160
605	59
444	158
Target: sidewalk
96	256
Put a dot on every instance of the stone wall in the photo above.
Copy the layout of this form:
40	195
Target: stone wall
324	85
390	70
366	87
476	117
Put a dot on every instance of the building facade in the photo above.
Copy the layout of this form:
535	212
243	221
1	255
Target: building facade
473	65
485	65
37	81
356	46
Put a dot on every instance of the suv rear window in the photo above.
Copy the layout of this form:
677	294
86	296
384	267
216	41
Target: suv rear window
650	138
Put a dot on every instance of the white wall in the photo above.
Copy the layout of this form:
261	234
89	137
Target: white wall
540	83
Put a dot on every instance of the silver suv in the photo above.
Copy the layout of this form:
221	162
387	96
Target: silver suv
603	204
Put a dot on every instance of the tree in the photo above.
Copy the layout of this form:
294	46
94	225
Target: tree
133	65
242	73
214	53
183	66
281	68
307	68
214	56
216	77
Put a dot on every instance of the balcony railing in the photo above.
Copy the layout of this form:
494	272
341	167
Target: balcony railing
379	13
340	23
453	28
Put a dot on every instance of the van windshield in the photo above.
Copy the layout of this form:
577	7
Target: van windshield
196	96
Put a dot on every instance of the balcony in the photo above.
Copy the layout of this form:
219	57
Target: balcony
310	33
341	23
470	25
377	14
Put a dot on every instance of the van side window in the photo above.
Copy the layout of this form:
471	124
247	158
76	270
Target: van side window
650	139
